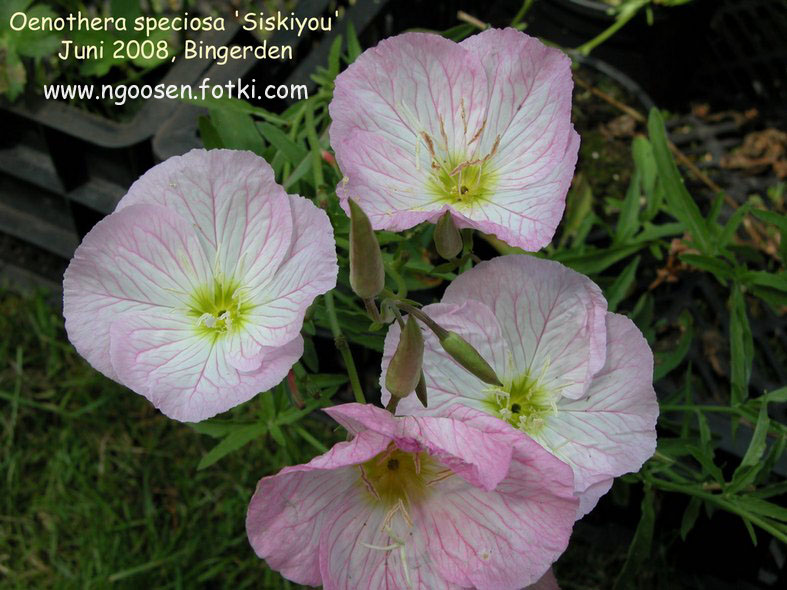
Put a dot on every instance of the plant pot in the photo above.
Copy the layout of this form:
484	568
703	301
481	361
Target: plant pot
179	134
86	161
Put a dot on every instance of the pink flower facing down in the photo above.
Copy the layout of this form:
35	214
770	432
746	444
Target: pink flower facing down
576	378
432	503
482	128
193	292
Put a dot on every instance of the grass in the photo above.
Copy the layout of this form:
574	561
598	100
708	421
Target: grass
99	489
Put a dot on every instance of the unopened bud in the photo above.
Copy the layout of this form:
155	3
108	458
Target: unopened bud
466	355
420	390
447	239
367	274
404	371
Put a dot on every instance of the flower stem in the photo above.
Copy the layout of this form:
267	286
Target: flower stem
438	330
626	14
343	348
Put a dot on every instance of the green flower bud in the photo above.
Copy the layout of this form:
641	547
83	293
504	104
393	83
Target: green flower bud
420	390
404	371
446	237
467	356
367	274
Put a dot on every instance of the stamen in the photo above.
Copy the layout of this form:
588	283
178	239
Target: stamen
368	484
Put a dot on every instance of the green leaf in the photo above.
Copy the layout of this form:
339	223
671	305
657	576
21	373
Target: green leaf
232	442
766	279
214	428
750	464
208	134
618	290
778	396
353	45
667	361
237	106
628	221
720	269
741	347
639	549
690	516
596	261
645	164
293	152
579	205
237	130
732	225
680	202
333	57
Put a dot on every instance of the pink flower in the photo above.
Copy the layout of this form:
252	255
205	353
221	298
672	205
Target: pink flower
482	128
576	378
193	292
434	503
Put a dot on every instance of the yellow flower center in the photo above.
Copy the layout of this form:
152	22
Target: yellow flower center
523	402
219	308
462	182
397	477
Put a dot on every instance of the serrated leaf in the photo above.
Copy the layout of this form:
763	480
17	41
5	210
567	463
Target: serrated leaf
680	202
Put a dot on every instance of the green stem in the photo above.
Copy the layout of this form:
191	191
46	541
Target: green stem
343	348
626	14
721	502
438	330
692	408
526	5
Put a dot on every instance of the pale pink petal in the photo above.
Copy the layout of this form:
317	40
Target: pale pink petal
507	538
479	456
524	213
547	582
231	197
386	104
280	301
357	418
288	512
610	431
408	112
140	260
358	552
446	381
530	87
184	373
552	318
383	180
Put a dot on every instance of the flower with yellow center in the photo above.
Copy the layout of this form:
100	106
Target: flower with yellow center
575	378
193	292
480	129
433	503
